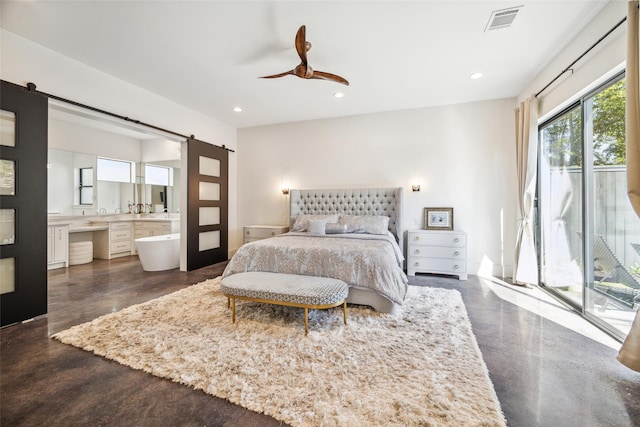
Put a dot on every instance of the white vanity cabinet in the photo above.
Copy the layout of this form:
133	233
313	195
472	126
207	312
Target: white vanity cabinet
116	242
258	232
57	246
441	252
154	227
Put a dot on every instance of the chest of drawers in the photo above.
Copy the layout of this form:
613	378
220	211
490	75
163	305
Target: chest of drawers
441	252
258	232
116	242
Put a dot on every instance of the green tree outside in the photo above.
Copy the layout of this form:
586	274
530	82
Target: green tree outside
563	138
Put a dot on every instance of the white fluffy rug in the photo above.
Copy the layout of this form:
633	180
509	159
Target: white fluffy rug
419	367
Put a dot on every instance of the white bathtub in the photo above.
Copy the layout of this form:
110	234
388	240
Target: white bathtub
159	252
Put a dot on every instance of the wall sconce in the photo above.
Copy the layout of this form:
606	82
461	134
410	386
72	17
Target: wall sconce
285	191
415	187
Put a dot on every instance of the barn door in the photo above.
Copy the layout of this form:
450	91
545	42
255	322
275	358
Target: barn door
207	188
23	204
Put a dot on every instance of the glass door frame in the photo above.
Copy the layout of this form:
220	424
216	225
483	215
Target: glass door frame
588	206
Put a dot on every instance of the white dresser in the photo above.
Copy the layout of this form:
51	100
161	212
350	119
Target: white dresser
441	252
115	243
57	245
258	232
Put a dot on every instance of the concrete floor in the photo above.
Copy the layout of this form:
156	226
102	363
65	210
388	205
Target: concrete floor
544	374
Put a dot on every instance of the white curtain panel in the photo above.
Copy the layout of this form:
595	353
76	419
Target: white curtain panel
525	267
630	352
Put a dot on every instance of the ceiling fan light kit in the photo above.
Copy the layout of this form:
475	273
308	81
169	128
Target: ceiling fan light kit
304	70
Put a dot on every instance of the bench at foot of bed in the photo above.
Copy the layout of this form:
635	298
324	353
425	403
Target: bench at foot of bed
286	289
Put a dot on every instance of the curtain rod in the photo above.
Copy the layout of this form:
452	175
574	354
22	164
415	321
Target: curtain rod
582	56
31	87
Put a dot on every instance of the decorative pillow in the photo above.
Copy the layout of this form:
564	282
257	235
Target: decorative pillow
316	226
332	228
367	224
301	221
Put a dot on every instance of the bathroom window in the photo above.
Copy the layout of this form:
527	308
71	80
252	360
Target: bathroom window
86	186
115	170
157	175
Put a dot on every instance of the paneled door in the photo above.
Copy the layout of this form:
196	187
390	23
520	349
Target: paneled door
23	204
207	188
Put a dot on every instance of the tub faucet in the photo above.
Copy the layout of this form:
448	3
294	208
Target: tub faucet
102	211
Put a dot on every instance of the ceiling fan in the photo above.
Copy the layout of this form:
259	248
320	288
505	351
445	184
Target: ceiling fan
304	70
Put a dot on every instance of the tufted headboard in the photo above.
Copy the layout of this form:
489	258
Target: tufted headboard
359	201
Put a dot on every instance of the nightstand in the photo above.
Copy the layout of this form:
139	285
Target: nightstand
252	233
441	252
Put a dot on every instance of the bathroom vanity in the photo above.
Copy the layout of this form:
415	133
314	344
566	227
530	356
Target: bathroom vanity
112	236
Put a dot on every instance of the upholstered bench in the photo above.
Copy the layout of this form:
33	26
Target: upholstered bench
286	289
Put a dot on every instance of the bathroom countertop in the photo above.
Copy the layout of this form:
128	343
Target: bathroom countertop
155	219
83	228
133	218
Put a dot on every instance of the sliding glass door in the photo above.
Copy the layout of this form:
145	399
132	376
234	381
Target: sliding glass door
589	235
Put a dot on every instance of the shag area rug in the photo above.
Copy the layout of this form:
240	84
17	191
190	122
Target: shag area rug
419	367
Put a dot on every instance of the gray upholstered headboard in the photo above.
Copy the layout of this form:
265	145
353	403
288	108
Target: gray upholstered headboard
358	201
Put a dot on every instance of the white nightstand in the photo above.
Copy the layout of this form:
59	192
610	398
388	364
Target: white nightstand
442	252
258	232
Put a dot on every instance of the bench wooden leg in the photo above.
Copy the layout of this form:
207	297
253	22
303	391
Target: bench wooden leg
228	302
306	321
233	310
344	311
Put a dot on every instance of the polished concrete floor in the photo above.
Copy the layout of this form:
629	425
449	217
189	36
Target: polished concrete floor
544	374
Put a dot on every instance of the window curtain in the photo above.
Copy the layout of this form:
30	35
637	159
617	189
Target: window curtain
525	266
629	354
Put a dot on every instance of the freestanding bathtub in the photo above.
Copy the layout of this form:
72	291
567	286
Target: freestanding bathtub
159	252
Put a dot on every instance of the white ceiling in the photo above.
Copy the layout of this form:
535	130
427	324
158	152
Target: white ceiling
208	55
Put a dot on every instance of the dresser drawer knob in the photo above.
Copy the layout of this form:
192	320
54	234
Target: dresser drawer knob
416	264
273	233
456	253
416	238
455	267
248	232
456	239
417	251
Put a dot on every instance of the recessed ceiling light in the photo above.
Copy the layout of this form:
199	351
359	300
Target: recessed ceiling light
475	76
237	109
338	94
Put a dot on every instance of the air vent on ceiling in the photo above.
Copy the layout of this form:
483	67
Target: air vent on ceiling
502	18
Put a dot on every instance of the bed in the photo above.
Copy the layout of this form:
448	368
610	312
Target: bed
354	235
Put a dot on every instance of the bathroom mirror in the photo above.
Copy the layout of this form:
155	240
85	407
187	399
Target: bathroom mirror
64	178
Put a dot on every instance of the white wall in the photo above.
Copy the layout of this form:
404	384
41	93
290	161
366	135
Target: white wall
594	68
462	155
82	139
24	61
158	150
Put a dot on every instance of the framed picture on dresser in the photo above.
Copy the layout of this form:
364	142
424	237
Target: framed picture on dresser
438	218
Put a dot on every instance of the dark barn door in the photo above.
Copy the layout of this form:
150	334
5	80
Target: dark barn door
207	215
23	203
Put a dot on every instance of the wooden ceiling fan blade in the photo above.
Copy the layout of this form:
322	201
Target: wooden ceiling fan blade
275	76
321	75
303	70
301	44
